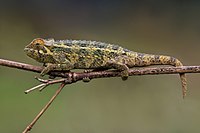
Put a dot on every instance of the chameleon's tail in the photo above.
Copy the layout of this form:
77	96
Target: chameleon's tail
167	60
146	59
183	78
184	84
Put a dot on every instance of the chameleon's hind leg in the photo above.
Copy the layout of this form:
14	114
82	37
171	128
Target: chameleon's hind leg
119	66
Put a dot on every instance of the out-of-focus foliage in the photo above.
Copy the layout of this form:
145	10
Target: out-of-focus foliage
142	104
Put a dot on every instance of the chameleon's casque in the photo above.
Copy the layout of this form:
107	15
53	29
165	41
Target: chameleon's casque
82	54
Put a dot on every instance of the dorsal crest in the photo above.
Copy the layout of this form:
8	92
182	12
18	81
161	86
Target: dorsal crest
49	42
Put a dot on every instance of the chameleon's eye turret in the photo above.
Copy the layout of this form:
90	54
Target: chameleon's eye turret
35	49
38	41
35	44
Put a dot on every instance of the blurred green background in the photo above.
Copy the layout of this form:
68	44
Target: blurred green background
142	104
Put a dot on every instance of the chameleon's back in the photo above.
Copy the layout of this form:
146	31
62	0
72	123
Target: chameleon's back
88	54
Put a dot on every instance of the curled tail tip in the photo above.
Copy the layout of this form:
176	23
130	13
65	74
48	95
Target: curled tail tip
184	91
184	84
184	94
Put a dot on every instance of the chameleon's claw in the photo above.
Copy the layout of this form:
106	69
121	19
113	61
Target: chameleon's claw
86	79
124	75
43	80
44	71
52	77
41	74
87	71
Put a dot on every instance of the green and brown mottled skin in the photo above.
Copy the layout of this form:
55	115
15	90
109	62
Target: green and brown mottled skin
82	54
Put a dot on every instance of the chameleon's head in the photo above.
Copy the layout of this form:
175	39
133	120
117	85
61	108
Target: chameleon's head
39	49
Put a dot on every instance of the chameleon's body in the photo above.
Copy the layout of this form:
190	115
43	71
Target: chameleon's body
81	54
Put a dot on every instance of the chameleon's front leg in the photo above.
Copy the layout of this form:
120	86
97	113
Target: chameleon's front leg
58	67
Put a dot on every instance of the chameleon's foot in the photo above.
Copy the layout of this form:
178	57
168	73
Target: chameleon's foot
124	75
94	70
52	77
87	71
86	79
44	71
48	68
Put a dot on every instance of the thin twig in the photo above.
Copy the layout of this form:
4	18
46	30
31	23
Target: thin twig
29	127
44	84
36	87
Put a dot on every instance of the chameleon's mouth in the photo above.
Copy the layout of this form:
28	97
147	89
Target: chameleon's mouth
28	50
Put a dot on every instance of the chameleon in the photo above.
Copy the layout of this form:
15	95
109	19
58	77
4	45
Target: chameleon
62	55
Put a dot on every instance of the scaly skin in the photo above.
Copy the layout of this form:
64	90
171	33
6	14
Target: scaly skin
81	54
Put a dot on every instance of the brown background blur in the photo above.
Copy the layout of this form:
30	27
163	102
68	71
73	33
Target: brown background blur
142	104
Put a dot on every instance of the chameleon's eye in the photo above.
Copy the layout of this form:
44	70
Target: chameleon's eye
37	44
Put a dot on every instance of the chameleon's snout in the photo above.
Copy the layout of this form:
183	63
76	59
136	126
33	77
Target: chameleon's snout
28	49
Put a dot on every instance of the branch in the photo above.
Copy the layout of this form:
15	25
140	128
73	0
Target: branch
72	77
76	76
19	65
29	127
